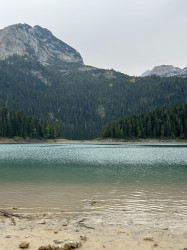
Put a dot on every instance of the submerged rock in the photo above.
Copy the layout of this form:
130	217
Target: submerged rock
93	202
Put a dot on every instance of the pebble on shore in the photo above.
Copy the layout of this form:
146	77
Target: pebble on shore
24	245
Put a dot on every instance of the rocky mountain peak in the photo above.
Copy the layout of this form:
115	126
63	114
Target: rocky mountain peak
37	42
166	71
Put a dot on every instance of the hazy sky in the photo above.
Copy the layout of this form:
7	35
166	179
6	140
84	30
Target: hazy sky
130	36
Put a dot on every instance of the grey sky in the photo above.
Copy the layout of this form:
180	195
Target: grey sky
130	36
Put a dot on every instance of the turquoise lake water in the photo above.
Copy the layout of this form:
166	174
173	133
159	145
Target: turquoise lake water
133	176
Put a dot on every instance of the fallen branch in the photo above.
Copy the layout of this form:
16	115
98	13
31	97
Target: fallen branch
10	215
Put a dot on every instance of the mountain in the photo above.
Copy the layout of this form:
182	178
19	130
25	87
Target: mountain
79	97
146	73
166	71
37	42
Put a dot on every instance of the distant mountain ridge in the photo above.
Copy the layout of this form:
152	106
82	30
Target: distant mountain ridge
37	42
166	71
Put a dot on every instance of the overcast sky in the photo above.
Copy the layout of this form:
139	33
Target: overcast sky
129	36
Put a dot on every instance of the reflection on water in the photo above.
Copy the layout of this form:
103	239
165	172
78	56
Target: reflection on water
131	176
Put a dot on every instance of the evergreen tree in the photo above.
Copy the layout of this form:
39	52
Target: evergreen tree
163	122
16	123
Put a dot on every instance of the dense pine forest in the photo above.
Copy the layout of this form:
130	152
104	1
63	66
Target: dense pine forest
14	123
82	99
163	122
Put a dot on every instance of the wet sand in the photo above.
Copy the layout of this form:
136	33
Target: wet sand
102	231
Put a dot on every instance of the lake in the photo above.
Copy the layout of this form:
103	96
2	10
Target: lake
139	178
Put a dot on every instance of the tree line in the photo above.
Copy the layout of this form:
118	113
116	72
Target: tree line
82	101
16	123
163	122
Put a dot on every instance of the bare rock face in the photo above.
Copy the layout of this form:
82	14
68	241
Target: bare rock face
37	42
166	71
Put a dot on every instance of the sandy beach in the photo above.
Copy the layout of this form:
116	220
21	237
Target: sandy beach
97	231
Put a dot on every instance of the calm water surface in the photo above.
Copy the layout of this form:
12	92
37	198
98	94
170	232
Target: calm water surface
131	176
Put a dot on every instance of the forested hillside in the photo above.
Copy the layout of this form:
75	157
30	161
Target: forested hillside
45	77
163	122
16	123
82	99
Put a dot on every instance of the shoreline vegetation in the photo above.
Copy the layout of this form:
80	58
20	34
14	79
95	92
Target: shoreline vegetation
15	124
17	139
162	123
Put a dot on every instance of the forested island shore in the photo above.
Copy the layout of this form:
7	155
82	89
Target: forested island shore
107	140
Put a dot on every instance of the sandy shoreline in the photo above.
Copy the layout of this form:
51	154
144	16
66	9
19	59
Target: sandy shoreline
30	140
101	231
